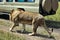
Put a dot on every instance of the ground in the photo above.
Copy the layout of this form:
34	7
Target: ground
6	24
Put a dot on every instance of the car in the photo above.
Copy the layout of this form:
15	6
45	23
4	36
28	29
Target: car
44	7
28	5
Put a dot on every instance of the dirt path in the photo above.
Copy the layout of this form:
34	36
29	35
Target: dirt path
5	27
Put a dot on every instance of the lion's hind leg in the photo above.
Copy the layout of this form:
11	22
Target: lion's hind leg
34	30
34	26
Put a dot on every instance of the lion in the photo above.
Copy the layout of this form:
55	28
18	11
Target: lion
19	15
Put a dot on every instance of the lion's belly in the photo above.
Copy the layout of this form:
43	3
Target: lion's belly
26	22
25	19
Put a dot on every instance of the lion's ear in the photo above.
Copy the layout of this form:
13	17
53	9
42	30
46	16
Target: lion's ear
11	11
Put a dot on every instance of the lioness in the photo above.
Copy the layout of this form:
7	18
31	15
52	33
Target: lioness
21	16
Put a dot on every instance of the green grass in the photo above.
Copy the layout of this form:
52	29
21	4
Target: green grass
9	36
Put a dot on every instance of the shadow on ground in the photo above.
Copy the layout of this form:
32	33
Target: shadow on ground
20	31
37	35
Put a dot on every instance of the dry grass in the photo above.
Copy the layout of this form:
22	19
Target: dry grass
9	36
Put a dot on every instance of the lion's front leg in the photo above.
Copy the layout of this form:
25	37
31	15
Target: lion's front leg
12	27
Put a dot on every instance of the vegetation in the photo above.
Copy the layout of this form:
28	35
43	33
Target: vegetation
9	36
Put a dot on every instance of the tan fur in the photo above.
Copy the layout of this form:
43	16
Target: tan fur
34	19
